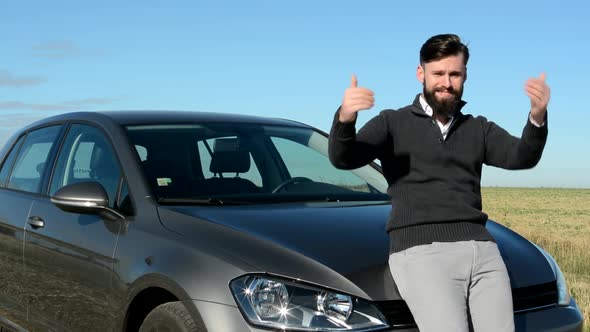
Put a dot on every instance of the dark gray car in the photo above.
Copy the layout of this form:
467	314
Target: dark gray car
127	221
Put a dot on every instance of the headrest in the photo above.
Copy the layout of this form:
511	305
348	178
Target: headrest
230	162
102	163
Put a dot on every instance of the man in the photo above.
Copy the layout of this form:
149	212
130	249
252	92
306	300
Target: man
445	263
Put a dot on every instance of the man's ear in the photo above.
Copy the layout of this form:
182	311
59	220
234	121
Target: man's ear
465	75
420	74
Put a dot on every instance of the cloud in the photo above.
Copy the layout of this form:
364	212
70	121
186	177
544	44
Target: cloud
9	124
58	49
90	101
17	114
18	120
69	105
7	79
61	49
18	106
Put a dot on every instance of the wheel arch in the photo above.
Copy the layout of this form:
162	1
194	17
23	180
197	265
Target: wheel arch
147	293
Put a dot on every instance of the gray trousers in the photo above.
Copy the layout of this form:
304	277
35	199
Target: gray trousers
455	286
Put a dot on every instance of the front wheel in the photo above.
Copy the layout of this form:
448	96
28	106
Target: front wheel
171	316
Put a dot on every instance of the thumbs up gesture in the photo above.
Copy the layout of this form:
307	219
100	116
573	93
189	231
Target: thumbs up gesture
355	99
539	93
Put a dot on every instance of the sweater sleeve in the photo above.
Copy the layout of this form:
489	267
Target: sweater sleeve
509	152
348	149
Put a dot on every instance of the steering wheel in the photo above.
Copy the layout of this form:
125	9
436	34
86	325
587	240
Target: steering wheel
290	181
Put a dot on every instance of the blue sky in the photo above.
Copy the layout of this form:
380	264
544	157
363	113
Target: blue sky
294	60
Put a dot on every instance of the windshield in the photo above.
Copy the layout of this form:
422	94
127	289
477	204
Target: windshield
246	163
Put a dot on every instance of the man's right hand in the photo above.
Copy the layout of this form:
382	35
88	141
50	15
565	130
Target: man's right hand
355	99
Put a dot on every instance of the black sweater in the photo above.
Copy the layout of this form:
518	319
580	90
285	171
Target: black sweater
434	183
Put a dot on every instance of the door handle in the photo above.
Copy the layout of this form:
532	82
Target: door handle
36	222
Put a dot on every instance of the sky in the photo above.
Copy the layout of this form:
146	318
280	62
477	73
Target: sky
294	59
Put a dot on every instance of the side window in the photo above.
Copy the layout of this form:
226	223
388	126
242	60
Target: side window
31	161
87	156
253	174
301	161
141	152
124	204
7	166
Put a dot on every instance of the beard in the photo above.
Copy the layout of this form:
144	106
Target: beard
446	106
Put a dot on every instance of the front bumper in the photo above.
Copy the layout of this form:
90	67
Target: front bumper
555	319
220	317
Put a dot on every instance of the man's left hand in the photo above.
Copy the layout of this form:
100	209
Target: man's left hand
539	93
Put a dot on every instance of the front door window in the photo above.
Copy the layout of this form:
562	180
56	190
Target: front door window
87	156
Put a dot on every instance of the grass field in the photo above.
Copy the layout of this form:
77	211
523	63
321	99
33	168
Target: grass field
556	219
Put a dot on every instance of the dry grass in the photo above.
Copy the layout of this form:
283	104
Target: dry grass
556	219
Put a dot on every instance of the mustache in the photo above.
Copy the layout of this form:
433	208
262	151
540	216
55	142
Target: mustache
449	90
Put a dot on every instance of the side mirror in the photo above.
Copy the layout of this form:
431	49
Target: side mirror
85	198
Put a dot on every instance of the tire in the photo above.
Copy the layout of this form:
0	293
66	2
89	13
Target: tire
169	317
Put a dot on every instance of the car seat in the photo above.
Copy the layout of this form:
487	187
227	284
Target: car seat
230	161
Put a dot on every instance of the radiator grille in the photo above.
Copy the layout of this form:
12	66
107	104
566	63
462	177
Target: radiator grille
524	299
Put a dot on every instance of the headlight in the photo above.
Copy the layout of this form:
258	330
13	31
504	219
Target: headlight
286	305
564	297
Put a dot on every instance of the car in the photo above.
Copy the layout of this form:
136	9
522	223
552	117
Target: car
188	221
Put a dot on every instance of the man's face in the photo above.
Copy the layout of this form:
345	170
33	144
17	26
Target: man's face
443	83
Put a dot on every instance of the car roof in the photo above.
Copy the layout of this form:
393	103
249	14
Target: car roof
148	117
111	119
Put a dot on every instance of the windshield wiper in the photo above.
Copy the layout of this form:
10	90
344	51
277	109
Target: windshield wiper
272	199
201	201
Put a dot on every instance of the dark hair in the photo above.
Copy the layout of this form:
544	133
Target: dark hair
442	46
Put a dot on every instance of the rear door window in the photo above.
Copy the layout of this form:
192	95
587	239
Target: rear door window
31	162
9	161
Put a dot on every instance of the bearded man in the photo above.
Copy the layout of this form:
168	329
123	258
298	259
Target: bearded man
445	263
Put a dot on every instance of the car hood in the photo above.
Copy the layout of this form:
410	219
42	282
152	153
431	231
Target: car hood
338	245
